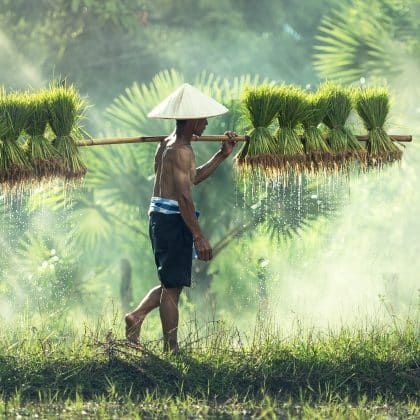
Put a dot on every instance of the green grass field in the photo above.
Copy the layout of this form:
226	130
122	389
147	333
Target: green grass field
50	370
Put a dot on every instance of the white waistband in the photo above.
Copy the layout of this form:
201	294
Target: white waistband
164	205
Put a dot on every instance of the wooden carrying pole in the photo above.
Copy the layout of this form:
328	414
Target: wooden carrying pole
152	139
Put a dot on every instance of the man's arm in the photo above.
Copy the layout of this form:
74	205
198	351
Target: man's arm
204	171
182	159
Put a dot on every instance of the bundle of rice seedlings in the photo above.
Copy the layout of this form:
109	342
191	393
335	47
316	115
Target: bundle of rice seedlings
318	153
45	158
66	110
14	164
372	105
341	140
290	152
261	105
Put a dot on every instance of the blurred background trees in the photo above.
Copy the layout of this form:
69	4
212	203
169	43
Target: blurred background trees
104	46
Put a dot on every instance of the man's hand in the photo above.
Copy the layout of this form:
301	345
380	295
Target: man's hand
228	145
203	248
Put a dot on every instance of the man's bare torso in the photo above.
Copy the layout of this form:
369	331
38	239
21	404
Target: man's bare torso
164	166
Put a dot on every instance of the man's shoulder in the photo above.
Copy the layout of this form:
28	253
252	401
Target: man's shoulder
179	151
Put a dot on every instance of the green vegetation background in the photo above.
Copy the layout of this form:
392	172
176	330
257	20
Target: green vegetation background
69	249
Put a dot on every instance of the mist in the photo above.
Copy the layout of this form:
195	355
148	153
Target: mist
365	261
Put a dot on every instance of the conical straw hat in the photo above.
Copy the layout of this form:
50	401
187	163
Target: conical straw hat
187	103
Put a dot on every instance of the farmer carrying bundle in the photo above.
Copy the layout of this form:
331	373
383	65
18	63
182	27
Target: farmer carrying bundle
173	225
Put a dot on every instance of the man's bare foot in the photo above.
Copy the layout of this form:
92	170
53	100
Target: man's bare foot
174	350
132	328
171	348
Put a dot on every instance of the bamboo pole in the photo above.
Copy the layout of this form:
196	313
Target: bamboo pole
153	139
150	139
394	137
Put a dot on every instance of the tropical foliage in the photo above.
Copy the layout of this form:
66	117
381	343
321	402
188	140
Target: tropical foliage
378	39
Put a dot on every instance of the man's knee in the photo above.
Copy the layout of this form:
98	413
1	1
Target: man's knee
172	292
157	289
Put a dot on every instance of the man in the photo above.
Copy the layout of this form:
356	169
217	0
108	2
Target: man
173	226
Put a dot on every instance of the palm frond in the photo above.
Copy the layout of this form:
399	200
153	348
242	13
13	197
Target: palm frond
92	227
363	40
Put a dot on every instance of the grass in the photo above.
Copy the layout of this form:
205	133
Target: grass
153	406
349	373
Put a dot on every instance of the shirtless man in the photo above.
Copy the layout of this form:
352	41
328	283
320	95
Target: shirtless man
174	226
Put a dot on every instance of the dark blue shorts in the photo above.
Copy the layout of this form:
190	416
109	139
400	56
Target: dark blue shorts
172	243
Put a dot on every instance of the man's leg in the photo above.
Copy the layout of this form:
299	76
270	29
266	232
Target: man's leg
169	316
134	319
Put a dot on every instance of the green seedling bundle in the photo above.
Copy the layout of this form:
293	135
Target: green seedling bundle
291	131
45	158
37	135
291	112
14	165
65	108
327	143
342	141
373	105
318	153
261	105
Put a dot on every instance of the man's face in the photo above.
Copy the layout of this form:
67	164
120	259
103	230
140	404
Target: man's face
199	126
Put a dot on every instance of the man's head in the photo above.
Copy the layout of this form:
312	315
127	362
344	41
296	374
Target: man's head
199	126
194	126
188	103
